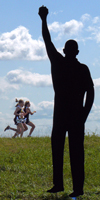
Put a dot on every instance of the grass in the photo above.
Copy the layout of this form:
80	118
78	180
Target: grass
26	169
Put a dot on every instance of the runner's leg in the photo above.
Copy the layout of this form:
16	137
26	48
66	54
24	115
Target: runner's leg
32	129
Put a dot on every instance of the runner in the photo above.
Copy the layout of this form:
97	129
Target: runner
19	119
28	111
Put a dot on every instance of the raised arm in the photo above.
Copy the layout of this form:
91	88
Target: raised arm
51	50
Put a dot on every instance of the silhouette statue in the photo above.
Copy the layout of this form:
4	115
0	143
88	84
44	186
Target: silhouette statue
71	80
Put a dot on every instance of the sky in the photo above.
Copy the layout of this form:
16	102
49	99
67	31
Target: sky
25	71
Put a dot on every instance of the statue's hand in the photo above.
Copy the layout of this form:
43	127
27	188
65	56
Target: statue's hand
43	12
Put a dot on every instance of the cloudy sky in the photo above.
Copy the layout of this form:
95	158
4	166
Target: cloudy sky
24	66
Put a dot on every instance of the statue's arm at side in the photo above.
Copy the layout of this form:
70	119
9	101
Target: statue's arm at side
89	102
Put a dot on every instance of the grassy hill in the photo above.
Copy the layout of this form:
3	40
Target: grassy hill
26	169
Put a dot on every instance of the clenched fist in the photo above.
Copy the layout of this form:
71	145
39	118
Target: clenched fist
43	12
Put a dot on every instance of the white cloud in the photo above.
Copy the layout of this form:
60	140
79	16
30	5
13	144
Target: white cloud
55	27
96	20
94	29
26	77
56	12
18	44
95	113
85	17
16	78
47	105
91	28
73	27
4	97
45	109
97	35
6	86
95	32
96	82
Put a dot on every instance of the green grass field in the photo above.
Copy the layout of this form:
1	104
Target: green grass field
26	169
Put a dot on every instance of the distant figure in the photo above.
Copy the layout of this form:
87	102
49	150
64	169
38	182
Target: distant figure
18	119
71	80
22	118
27	112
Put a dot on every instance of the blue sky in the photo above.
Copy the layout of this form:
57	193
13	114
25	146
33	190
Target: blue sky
24	66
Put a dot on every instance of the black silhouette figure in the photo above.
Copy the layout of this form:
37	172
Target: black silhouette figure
71	80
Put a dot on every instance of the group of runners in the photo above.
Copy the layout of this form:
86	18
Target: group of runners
21	119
